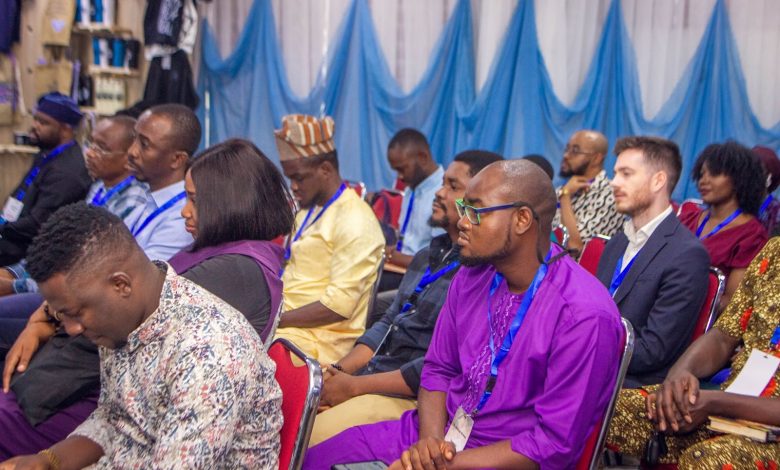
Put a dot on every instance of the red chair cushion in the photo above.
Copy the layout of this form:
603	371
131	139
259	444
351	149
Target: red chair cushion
294	382
704	313
591	254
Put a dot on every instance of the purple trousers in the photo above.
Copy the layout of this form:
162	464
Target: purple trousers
384	441
18	437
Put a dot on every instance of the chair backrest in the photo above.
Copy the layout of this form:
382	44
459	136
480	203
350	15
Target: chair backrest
359	187
709	309
594	446
562	235
387	206
301	388
591	253
270	330
375	289
688	205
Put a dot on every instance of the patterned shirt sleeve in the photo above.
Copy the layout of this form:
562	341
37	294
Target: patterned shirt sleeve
198	428
98	428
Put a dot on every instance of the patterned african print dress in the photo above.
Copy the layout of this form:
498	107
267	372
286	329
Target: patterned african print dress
752	317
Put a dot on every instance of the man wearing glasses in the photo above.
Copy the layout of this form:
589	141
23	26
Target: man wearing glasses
524	353
586	203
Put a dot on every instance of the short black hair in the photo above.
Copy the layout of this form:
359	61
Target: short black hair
241	195
76	238
127	126
476	160
658	152
542	163
317	160
741	165
185	126
408	136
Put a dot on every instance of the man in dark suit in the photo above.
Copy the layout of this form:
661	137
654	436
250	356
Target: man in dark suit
655	268
58	176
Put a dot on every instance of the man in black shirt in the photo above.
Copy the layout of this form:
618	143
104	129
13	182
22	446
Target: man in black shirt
378	380
58	176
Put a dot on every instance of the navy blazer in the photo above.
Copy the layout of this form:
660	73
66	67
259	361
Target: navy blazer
661	296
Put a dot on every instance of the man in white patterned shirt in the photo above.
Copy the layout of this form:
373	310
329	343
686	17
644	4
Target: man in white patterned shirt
586	204
186	382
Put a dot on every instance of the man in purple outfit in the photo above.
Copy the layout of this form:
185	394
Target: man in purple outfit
550	386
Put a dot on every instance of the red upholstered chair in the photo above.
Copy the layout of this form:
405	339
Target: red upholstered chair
301	388
591	253
387	206
562	235
709	310
689	205
594	446
359	187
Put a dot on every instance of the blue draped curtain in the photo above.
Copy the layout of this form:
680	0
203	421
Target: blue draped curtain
515	113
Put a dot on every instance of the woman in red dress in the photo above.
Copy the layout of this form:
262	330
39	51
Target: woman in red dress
731	181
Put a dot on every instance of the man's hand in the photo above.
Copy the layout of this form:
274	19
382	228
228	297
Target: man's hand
427	454
337	387
25	346
576	184
26	462
670	406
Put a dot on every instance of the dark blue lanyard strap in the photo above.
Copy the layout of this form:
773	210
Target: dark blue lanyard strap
764	205
288	248
620	274
427	279
408	216
728	220
28	180
497	357
99	200
168	204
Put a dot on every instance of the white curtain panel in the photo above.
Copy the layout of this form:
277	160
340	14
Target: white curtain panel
665	35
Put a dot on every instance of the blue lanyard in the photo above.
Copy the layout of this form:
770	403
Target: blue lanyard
288	248
427	279
764	206
619	275
775	339
28	180
506	344
168	204
733	216
408	216
99	201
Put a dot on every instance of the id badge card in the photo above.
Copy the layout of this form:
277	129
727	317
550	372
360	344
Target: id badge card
460	429
12	209
755	375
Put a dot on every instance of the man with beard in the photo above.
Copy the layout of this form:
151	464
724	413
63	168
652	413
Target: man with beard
378	380
586	205
333	254
57	177
655	268
524	353
410	156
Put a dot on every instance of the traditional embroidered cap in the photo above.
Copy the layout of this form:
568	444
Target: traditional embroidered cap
60	107
303	136
771	164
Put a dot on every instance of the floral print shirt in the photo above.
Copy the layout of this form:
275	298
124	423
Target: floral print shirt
193	387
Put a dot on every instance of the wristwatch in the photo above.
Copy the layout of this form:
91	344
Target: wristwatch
564	192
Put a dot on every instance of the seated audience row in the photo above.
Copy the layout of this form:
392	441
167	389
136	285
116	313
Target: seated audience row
187	370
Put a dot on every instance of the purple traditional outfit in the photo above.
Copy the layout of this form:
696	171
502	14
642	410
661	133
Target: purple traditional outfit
551	390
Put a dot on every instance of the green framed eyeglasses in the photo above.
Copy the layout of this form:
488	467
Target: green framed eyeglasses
473	213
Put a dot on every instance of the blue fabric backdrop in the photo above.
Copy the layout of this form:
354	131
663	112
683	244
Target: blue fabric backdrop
515	113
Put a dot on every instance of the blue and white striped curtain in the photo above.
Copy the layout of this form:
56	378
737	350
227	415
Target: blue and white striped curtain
515	112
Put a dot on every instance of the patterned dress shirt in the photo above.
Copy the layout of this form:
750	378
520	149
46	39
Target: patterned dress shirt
192	388
595	210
